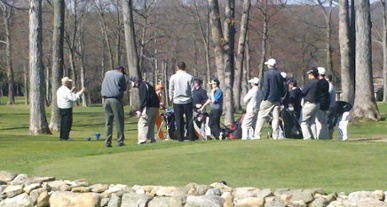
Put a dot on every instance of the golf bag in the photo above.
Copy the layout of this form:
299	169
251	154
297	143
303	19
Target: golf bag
291	127
170	123
200	123
237	128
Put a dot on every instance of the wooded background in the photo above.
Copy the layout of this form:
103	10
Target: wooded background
227	39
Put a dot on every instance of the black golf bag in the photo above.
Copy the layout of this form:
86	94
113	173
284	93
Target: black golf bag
170	123
291	127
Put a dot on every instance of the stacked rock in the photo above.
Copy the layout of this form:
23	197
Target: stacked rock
25	191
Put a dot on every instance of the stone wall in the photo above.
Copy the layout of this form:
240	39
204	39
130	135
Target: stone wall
25	191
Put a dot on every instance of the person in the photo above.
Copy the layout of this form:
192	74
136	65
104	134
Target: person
159	120
112	91
322	114
273	91
181	86
216	105
253	99
295	97
65	98
148	111
285	99
312	95
343	112
199	95
332	94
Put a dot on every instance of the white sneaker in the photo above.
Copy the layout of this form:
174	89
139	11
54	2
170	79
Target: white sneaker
255	138
244	138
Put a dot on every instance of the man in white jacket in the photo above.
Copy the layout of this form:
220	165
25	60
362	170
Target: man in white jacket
65	98
253	99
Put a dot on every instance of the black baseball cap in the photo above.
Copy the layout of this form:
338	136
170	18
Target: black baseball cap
122	68
313	71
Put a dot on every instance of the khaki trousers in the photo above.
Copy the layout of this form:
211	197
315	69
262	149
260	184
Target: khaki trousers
249	121
308	120
322	125
146	125
265	109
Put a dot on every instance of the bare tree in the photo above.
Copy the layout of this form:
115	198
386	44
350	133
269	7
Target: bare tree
347	76
57	60
101	8
365	105
328	21
131	48
241	54
7	12
384	45
38	120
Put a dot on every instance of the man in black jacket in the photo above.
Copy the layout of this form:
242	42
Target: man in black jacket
149	108
311	93
295	97
322	114
273	91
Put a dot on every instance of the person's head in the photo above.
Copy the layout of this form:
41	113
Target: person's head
329	78
321	72
292	83
120	69
159	88
66	81
181	66
135	81
215	83
284	76
271	63
198	82
312	73
254	81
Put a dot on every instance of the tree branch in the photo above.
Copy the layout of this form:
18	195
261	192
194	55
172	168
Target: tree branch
12	6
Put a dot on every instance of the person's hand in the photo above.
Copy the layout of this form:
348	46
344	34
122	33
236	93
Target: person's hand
138	114
83	90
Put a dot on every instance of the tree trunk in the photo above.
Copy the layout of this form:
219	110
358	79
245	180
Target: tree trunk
384	51
57	60
82	63
347	81
7	12
365	105
131	49
26	88
229	61
118	45
38	121
241	55
263	47
217	40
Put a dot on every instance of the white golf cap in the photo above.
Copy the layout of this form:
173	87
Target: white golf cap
271	62
321	70
254	80
66	79
284	75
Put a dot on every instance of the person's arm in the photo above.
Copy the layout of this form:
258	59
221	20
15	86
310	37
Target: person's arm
74	96
217	95
142	90
266	85
122	83
171	88
248	96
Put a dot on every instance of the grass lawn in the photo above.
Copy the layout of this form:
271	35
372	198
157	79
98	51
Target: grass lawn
335	166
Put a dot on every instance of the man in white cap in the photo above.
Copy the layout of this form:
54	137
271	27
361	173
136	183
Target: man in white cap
65	98
253	99
322	114
273	91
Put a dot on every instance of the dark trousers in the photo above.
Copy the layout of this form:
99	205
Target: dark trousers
180	110
214	123
66	121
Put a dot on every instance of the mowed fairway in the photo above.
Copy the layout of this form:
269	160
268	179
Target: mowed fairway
335	166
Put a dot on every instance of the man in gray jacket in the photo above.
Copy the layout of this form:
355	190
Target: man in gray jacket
113	87
181	86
